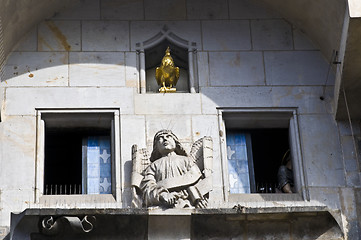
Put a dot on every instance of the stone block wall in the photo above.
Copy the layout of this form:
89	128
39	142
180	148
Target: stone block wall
247	57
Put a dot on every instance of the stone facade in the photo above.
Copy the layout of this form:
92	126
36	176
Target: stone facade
247	57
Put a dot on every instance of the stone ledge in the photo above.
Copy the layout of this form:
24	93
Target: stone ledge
307	210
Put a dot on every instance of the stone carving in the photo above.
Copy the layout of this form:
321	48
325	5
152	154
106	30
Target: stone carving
171	178
167	74
53	226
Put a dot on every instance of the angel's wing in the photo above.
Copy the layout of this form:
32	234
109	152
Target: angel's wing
202	154
140	159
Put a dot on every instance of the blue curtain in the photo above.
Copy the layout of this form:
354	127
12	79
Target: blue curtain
238	170
97	162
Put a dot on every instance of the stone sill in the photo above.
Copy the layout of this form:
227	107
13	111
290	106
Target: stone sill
53	200
307	210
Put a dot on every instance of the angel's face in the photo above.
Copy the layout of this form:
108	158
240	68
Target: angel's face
165	143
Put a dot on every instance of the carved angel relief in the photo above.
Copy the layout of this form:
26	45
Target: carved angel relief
169	177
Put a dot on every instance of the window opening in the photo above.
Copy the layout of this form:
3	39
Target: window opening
254	157
77	152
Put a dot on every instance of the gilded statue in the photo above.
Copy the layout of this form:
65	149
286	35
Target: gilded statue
167	74
171	178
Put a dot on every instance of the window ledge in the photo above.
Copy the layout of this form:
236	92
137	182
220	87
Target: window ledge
305	210
262	197
53	200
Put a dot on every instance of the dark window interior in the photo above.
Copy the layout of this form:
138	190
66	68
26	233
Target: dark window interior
268	148
63	158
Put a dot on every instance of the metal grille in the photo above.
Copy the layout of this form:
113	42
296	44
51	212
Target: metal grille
266	187
62	189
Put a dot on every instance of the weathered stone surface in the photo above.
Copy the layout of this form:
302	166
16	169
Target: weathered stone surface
4	231
204	126
174	227
29	42
36	69
169	103
97	69
213	9
208	126
236	68
203	69
59	36
179	124
350	164
321	156
32	98
132	132
345	128
160	226
306	99
122	10
165	10
17	153
144	30
358	206
216	35
217	227
328	196
271	35
302	42
268	230
297	68
131	72
14	201
349	152
84	9
107	227
353	179
324	228
2	102
349	208
248	9
105	36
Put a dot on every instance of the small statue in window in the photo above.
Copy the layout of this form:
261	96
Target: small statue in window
171	178
167	74
285	174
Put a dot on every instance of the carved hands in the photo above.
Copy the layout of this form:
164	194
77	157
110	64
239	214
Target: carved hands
169	198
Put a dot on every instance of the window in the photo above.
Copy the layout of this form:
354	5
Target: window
254	157
77	151
254	144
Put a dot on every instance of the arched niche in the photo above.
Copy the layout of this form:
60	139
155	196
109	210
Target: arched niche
150	53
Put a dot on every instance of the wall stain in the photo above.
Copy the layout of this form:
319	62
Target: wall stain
59	35
41	41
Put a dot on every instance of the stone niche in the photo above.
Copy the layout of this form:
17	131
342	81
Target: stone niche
184	53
